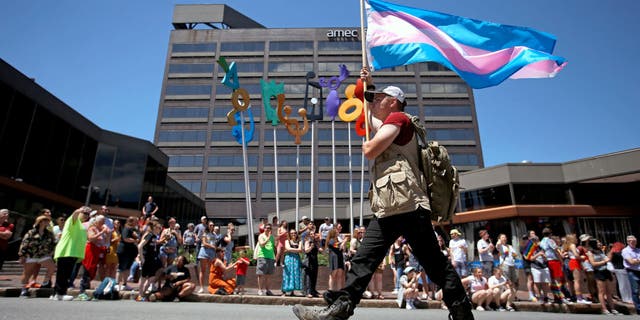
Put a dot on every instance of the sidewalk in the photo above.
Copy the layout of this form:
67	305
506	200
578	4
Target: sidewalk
10	287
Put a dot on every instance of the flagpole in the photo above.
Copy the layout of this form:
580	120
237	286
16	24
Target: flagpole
333	167
364	64
362	186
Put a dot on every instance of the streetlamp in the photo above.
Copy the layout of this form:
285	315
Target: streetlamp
313	116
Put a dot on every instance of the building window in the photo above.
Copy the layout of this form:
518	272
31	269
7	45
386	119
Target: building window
249	67
186	161
447	111
540	194
339	46
464	159
194	47
294	88
485	198
242	46
283	134
222	135
228	186
291	46
342	159
179	90
182	136
342	186
286	160
340	134
252	88
286	186
406	87
231	160
444	88
185	112
450	134
335	66
191	185
413	110
290	66
190	68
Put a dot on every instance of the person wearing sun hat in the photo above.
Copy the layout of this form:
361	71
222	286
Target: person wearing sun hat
458	252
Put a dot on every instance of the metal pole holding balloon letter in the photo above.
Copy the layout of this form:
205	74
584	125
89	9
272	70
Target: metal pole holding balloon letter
241	101
333	103
349	111
273	90
293	127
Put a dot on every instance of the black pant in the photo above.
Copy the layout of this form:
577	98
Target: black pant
63	274
418	232
310	278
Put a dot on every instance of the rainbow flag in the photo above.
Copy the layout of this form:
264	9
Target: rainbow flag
482	53
530	249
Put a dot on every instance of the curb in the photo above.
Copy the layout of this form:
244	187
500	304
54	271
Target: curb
624	308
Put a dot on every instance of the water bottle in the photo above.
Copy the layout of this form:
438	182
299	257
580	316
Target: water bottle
132	295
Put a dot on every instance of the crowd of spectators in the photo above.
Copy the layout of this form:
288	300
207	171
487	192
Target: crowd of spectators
93	245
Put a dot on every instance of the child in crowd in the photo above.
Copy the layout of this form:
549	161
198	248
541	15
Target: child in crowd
241	272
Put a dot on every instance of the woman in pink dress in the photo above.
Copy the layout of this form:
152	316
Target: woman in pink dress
283	235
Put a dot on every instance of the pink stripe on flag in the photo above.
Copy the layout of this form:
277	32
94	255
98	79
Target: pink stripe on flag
400	28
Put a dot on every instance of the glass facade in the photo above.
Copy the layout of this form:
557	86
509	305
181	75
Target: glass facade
60	161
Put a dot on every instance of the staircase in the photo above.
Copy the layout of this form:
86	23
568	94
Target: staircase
14	268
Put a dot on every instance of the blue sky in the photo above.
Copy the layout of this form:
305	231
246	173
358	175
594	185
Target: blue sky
106	60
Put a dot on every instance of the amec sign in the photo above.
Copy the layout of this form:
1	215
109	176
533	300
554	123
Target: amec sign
343	34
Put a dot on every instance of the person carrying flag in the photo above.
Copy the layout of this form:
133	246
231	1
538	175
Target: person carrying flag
394	155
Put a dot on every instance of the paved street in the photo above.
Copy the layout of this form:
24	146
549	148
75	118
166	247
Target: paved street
41	308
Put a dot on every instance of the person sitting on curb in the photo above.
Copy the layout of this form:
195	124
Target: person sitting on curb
177	284
409	288
218	283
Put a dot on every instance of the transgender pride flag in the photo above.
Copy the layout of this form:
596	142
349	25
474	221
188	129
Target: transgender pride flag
483	53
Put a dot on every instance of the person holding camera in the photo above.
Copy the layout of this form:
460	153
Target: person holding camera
170	239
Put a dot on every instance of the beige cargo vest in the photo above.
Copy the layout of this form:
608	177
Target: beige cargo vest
397	184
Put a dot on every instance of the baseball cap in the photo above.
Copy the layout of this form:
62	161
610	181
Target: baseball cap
390	91
409	269
304	218
455	231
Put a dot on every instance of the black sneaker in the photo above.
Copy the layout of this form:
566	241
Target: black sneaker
46	284
461	310
331	296
341	309
24	293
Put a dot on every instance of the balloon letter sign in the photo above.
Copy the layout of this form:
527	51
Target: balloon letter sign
239	99
333	101
271	89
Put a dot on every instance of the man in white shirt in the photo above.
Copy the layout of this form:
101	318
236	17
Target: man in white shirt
631	256
324	230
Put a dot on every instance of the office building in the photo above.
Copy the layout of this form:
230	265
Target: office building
192	128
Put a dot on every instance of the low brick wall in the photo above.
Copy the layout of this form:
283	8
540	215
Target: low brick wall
276	278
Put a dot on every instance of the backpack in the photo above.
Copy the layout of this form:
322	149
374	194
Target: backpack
443	184
107	290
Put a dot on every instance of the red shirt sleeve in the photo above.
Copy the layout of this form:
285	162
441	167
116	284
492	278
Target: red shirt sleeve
404	123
